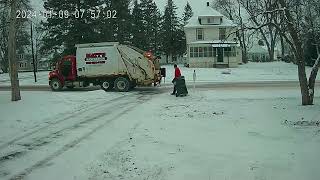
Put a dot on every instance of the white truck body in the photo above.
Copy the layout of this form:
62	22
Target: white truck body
113	59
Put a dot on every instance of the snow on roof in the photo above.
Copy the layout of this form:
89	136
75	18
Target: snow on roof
208	12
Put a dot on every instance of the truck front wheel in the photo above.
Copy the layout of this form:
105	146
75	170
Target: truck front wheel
122	84
55	85
107	85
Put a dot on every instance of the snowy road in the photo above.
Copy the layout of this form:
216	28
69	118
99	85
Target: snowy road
211	85
248	134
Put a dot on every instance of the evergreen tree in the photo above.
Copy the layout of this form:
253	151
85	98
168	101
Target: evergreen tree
65	29
188	13
151	22
146	20
138	31
117	28
172	32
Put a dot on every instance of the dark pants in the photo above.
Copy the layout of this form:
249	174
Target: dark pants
174	86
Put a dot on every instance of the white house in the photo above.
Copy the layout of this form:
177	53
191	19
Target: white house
211	40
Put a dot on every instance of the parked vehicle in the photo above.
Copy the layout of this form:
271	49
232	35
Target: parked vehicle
109	65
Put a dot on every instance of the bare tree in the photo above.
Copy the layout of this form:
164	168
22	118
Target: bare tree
287	19
257	10
232	9
22	34
4	36
293	13
15	89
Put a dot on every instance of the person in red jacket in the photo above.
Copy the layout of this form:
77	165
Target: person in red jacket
177	74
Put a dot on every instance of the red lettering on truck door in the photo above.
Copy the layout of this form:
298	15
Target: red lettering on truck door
96	58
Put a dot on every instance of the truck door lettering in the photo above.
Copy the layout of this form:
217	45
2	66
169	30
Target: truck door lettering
96	58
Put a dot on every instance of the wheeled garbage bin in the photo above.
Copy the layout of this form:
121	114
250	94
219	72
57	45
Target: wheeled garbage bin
181	87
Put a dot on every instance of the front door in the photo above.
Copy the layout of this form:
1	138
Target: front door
220	55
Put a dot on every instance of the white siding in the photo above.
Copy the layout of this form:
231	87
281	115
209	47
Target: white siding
210	34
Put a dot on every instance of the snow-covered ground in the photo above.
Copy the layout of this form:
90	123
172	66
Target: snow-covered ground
27	78
251	72
256	134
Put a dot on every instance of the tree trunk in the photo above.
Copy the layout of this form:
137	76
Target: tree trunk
298	51
32	50
271	52
282	47
303	82
15	89
312	79
242	38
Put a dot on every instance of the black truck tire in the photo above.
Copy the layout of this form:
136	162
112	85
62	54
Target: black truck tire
70	87
133	84
107	85
55	85
122	84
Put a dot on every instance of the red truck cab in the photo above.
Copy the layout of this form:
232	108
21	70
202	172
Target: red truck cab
65	71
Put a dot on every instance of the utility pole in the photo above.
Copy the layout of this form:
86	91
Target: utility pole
33	60
15	89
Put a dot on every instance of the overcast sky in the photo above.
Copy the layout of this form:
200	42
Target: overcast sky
195	4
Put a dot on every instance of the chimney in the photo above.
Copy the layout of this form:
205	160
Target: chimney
208	4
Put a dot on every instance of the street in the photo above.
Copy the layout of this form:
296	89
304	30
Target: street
204	85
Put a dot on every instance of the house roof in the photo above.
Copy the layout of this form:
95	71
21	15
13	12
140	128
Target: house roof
208	12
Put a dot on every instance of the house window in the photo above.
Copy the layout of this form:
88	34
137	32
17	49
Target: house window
209	20
191	52
200	34
230	52
206	51
196	52
21	57
222	33
201	54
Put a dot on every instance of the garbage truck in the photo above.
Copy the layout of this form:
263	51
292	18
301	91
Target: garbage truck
110	65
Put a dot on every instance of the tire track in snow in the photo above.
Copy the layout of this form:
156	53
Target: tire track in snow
70	116
75	142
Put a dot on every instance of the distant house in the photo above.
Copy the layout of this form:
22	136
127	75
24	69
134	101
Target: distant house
260	53
211	40
44	64
24	63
